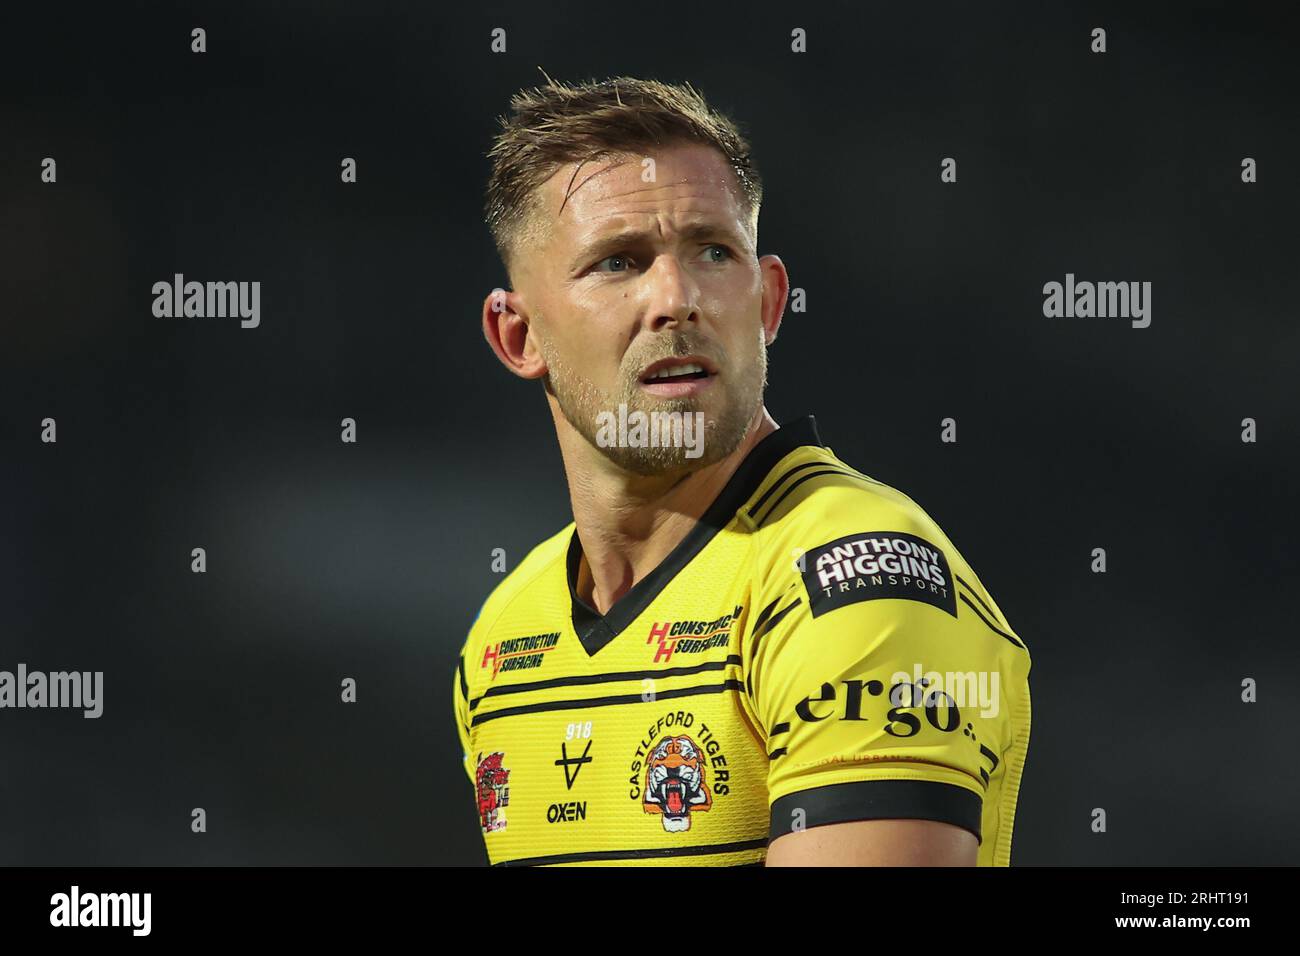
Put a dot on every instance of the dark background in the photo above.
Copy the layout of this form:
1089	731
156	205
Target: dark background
328	560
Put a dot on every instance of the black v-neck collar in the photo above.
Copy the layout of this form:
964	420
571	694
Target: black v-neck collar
594	630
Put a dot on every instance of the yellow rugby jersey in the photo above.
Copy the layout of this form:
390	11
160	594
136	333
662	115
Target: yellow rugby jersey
814	651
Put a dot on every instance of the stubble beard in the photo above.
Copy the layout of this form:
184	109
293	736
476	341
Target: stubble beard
741	385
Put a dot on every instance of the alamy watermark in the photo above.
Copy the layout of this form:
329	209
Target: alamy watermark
76	908
964	688
1085	300
73	689
208	300
653	430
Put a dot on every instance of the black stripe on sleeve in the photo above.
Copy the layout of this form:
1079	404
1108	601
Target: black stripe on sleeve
777	484
878	800
962	595
793	485
774	620
759	631
766	624
838	468
460	672
764	614
975	594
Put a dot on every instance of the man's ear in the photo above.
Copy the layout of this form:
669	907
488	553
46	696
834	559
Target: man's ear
776	290
508	329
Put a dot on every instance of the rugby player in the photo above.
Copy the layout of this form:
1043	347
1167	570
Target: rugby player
742	650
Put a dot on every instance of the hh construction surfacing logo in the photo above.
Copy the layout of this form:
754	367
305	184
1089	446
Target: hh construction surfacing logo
518	653
691	637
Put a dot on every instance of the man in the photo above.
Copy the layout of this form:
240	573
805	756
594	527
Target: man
742	650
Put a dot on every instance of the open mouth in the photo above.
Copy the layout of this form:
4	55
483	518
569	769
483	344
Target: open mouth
688	368
674	797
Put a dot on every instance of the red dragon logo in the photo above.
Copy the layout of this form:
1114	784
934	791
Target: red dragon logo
493	785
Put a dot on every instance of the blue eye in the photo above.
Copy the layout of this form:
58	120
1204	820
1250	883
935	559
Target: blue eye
608	259
628	261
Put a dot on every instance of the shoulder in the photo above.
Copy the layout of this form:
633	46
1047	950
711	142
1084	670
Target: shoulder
850	538
532	573
812	499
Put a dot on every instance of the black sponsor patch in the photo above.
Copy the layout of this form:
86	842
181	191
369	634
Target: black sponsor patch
877	564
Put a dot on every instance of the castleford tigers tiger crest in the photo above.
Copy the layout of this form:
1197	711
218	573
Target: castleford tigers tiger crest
493	785
674	784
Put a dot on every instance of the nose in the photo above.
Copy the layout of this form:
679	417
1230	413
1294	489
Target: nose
672	297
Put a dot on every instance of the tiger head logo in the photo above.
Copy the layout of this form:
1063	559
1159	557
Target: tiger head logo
493	786
675	784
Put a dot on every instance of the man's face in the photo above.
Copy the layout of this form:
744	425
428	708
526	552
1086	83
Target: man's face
637	276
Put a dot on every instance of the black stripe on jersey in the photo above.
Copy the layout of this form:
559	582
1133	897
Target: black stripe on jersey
761	627
840	468
781	728
579	679
975	595
460	672
772	622
879	800
662	851
993	759
766	626
777	484
816	474
604	701
766	612
962	595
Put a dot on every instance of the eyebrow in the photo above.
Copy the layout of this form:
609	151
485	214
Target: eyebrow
602	246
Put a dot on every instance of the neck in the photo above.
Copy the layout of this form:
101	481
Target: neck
629	523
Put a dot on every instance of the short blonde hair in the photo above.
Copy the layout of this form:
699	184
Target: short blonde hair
552	125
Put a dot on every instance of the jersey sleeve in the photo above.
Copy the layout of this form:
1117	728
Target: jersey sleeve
880	689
